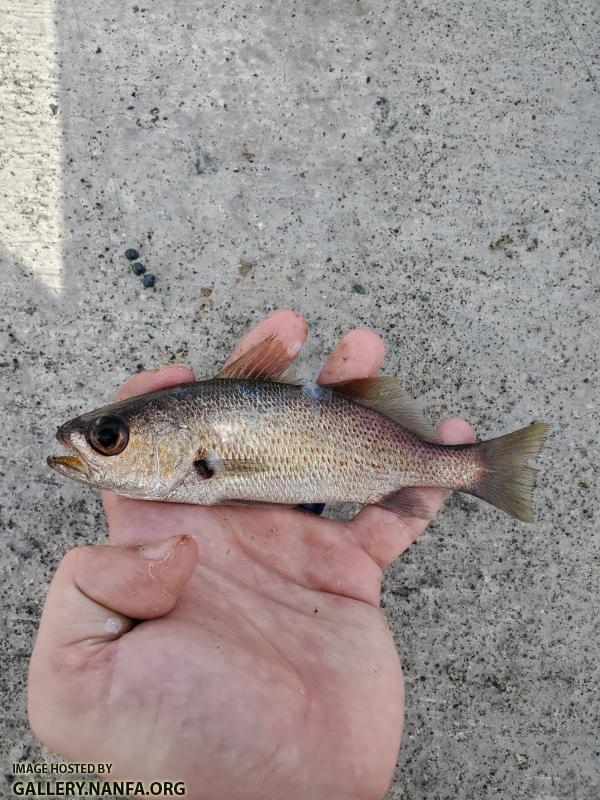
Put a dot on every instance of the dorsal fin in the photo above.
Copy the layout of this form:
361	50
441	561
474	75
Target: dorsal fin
387	397
266	361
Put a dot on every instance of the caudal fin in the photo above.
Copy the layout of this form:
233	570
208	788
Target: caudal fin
508	483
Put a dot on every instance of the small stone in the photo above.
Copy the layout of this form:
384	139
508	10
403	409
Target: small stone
358	288
148	280
131	254
138	268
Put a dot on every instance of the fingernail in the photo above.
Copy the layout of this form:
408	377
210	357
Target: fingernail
113	625
178	365
160	550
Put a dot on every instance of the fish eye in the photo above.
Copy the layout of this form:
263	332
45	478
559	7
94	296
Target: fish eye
108	435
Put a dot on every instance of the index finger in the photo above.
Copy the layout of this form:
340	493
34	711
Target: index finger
358	354
287	326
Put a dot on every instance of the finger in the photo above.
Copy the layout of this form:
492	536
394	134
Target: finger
384	534
358	354
98	590
287	326
154	380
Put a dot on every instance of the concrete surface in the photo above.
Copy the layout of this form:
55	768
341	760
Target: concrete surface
429	169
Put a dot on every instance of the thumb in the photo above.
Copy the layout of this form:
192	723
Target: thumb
99	590
96	595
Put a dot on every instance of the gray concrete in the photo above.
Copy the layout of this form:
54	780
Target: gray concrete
428	169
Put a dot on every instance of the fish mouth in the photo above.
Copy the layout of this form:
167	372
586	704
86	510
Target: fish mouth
72	466
66	465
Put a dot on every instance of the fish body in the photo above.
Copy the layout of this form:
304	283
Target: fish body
251	440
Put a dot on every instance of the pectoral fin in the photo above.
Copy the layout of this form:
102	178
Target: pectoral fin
210	465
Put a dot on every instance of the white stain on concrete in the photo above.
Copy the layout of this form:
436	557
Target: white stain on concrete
31	208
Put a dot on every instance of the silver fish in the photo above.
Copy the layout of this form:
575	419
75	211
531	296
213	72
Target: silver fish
247	436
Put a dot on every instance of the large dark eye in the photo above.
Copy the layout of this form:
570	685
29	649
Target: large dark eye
108	435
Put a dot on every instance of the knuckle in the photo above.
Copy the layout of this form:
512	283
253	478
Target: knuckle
73	559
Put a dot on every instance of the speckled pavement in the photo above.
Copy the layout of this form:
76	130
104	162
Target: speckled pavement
428	169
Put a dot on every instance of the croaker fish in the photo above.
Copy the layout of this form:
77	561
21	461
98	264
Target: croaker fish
247	436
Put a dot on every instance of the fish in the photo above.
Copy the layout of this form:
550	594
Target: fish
253	436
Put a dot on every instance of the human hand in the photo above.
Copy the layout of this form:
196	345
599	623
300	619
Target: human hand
261	666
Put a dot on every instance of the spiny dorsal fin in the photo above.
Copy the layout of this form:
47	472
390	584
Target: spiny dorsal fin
266	361
387	397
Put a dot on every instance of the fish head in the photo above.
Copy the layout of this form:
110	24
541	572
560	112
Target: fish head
138	447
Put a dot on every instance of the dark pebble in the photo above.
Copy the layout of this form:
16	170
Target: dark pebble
313	508
149	280
138	268
131	254
358	289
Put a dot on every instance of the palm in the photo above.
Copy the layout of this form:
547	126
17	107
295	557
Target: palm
262	653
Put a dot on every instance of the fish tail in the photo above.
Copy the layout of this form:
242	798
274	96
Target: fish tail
508	481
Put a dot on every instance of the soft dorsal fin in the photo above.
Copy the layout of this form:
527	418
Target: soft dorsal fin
266	361
387	397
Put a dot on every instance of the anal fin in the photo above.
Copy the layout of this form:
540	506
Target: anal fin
409	502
